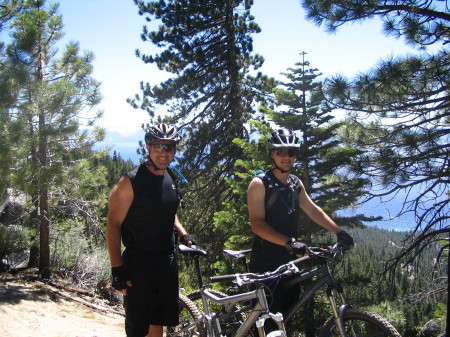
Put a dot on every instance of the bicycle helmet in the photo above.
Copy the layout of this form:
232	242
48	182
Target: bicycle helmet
283	138
161	132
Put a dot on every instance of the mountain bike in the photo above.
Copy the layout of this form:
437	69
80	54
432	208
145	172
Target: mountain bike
229	320
345	320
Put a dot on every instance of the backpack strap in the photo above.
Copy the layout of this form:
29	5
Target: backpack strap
273	190
271	194
175	181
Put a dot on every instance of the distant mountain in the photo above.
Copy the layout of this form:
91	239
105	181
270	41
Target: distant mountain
125	145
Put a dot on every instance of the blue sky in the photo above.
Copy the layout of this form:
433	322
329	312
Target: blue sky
111	30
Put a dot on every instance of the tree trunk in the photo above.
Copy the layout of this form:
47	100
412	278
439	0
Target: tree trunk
44	232
44	253
33	261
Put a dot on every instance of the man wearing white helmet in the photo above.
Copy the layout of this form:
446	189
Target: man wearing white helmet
142	215
274	202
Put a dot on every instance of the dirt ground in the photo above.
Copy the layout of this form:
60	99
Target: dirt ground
33	308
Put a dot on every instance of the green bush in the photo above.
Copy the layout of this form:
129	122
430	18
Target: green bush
13	239
74	256
391	312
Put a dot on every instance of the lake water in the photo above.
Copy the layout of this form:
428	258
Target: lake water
387	210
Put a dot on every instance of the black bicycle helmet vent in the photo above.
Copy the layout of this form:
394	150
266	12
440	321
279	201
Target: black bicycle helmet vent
283	138
161	132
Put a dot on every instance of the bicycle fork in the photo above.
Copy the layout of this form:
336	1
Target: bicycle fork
338	314
278	318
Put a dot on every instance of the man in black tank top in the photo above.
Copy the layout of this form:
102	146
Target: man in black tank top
275	225
142	216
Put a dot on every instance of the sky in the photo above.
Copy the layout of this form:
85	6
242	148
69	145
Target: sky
111	30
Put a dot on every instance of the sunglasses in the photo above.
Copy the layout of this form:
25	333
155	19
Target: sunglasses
160	147
286	152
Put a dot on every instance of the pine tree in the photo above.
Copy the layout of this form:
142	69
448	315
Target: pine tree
407	101
10	79
8	9
56	89
207	47
323	159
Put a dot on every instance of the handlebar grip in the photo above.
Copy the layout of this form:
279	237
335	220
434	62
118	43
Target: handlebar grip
300	259
222	278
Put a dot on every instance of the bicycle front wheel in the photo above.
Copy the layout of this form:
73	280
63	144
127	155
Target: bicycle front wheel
191	323
360	323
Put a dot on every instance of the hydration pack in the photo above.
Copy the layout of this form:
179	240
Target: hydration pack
273	190
170	170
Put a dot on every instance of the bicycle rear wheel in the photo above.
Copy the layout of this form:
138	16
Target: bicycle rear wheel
360	323
191	323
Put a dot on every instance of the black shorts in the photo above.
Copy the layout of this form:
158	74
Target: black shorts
153	298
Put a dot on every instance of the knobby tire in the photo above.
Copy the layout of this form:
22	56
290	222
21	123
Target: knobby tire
188	314
363	322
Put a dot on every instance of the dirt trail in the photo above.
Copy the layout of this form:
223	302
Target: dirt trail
33	308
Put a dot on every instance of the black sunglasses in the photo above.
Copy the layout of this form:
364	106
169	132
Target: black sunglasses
286	152
160	147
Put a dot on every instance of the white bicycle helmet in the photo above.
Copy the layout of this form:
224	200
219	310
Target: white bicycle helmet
162	132
283	138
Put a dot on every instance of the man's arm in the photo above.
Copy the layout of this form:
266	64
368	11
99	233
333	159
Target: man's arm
179	227
316	213
120	201
182	234
257	212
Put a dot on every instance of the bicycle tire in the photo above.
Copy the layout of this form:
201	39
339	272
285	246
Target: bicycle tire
363	322
188	314
235	321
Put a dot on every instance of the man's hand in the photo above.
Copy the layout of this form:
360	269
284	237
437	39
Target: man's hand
344	240
120	279
296	247
185	239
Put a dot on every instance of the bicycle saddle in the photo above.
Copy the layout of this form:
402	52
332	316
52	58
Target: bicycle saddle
193	250
238	254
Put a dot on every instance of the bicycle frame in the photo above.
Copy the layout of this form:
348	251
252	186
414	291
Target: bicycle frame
324	278
258	314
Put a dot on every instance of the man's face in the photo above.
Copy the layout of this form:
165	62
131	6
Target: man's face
161	153
284	157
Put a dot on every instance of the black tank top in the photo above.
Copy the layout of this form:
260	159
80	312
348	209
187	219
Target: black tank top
267	256
149	223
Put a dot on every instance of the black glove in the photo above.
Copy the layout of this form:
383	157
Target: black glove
119	278
185	240
344	240
296	247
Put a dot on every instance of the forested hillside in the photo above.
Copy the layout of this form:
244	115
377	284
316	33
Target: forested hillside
411	296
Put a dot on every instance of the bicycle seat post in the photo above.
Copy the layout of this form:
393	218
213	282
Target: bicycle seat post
198	271
244	265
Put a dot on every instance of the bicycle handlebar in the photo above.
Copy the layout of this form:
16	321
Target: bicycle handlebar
222	278
288	268
248	278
